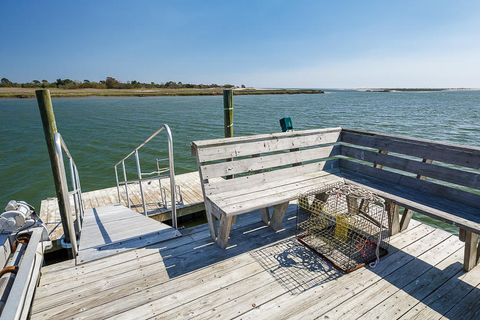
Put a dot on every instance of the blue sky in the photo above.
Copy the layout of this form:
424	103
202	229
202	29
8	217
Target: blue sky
327	44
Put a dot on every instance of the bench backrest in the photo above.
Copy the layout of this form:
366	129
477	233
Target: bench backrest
446	170
242	162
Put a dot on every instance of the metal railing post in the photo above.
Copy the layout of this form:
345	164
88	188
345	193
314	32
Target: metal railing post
126	183
75	194
171	165
80	200
171	169
118	185
139	172
70	230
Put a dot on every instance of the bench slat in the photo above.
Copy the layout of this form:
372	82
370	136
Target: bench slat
309	181
219	185
269	185
228	151
261	137
266	162
421	148
434	206
278	195
424	169
407	182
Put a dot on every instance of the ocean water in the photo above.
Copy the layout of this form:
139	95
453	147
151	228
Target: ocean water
100	131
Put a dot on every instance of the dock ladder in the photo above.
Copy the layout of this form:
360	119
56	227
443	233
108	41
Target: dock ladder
160	173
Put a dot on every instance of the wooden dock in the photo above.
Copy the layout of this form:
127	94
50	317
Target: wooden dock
189	185
106	230
263	275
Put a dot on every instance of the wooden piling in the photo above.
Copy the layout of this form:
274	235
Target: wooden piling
228	112
49	129
228	123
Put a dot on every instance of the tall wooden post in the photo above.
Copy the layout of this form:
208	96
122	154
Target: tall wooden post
228	112
49	129
228	126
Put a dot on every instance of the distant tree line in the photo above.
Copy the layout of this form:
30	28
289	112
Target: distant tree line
108	83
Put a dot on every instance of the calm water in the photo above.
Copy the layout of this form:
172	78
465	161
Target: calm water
99	131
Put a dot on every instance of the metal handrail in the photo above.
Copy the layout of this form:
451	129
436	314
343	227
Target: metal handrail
60	149
140	175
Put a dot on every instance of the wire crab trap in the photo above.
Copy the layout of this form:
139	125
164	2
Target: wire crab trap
345	224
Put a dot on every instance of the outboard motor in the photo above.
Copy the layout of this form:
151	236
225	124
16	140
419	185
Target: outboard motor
17	215
20	229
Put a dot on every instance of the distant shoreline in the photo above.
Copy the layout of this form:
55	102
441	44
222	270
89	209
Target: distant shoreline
406	90
55	92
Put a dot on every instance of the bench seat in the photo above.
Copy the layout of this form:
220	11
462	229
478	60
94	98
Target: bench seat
438	179
271	193
435	206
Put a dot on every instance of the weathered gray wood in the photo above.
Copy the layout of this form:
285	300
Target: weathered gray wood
260	137
276	144
107	230
105	303
352	204
375	164
47	115
277	215
405	220
265	214
434	206
393	217
265	162
221	185
210	219
467	307
224	230
294	185
185	245
462	234
246	203
449	295
470	255
422	169
426	187
217	280
188	182
306	306
421	148
397	299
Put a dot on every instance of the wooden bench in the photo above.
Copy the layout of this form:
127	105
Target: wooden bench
440	180
265	172
243	174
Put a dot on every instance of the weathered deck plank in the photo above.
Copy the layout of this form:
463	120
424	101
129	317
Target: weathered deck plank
190	278
109	230
189	184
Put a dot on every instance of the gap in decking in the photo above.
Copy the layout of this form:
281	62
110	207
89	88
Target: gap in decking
190	220
55	256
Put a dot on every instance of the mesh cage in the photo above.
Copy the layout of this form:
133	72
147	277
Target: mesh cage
346	224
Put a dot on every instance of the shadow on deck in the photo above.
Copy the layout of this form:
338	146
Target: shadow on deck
265	274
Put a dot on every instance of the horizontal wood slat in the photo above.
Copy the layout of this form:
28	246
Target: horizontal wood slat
219	185
278	195
262	137
429	188
434	206
423	169
443	152
227	151
266	162
295	185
